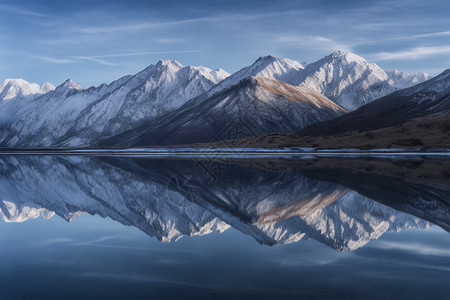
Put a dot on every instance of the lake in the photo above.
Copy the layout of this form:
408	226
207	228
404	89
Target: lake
115	227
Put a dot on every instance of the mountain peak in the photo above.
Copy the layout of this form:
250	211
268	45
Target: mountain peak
269	66
47	87
14	80
342	55
267	58
168	62
70	84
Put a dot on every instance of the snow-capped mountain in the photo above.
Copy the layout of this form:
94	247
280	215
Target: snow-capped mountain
169	199
343	77
18	89
281	69
351	81
424	99
254	106
73	116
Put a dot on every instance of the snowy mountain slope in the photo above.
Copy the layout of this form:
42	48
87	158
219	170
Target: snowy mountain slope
72	116
351	81
424	99
254	106
169	199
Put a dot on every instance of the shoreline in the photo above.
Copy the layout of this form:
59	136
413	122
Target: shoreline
189	152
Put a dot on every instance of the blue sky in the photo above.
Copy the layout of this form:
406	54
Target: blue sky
93	42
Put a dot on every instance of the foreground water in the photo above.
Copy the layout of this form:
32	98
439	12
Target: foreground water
140	228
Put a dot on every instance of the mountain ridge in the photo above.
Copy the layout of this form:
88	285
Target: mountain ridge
253	106
71	116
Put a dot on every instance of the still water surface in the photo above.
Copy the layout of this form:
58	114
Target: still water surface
136	228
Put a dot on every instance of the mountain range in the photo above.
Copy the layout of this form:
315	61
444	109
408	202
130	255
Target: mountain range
416	118
168	103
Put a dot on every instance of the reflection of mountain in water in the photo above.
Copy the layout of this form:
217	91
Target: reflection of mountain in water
171	198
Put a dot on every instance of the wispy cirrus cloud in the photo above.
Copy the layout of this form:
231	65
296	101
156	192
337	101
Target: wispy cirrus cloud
145	53
136	26
99	58
139	26
169	40
408	37
420	36
15	9
52	59
412	53
311	42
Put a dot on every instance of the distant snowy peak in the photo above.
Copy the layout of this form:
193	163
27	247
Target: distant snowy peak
47	87
404	80
351	81
21	89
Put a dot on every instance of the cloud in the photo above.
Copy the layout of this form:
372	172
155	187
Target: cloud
311	42
94	59
411	54
98	58
408	37
145	53
136	26
419	36
150	25
168	41
53	59
22	11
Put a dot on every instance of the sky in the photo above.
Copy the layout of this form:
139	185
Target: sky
93	42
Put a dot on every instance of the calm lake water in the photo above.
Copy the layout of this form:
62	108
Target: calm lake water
80	227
